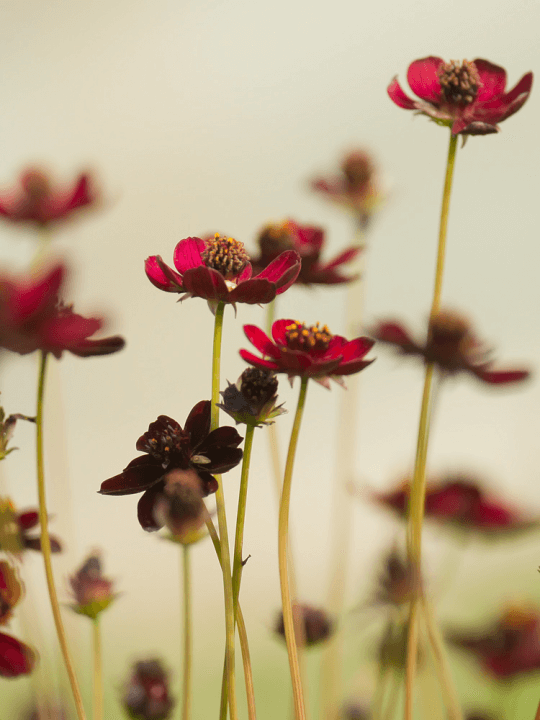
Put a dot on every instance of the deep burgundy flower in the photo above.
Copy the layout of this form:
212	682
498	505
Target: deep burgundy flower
508	647
92	591
36	201
146	695
317	624
308	242
307	351
219	270
451	345
469	97
16	530
33	317
170	448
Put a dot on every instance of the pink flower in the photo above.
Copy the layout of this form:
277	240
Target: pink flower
468	97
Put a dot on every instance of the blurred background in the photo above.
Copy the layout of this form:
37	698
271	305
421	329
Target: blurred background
210	116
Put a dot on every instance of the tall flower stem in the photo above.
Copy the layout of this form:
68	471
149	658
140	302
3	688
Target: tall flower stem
418	488
188	643
241	516
283	541
46	542
98	670
222	523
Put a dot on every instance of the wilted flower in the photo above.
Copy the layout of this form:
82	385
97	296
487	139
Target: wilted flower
169	448
308	242
451	345
15	529
219	270
7	428
316	624
146	694
92	591
32	317
252	400
468	97
307	350
36	201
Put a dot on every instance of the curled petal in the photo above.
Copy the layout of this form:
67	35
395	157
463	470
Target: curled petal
397	95
161	275
423	78
356	349
523	87
288	260
245	274
187	254
37	296
394	333
261	341
344	257
492	79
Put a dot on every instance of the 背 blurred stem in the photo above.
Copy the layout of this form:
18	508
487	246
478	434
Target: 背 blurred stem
222	523
46	542
418	487
384	676
283	540
44	240
98	669
188	643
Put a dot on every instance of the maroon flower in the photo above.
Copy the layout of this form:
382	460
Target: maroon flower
168	449
35	201
509	647
308	242
307	351
219	270
451	345
16	530
146	695
469	97
32	317
317	624
92	591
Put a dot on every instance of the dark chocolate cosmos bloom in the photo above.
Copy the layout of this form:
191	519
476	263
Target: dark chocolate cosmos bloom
169	448
451	345
317	625
468	97
146	694
16	530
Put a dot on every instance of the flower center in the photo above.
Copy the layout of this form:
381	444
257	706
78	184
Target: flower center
459	82
258	385
307	337
164	441
226	255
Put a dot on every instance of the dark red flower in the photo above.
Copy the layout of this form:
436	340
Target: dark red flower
16	530
32	317
146	694
308	242
509	647
451	345
219	270
317	624
168	448
16	658
92	591
35	201
469	97
307	350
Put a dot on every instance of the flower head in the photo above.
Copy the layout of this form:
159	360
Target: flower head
92	591
451	345
146	693
33	317
468	97
307	350
219	270
308	242
36	201
16	530
253	399
316	624
168	448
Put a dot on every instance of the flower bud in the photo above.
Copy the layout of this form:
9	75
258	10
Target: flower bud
252	400
146	695
92	591
317	625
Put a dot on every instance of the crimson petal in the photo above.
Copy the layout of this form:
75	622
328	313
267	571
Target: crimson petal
27	520
423	78
394	333
278	331
253	292
198	423
286	260
16	658
206	283
492	79
397	96
261	341
161	275
257	361
499	377
187	254
344	257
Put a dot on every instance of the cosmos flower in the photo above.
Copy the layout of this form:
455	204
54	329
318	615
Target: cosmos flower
16	530
172	453
146	694
307	351
92	591
451	345
468	97
309	243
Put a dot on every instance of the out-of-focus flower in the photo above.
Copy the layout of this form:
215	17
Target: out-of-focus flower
7	428
308	242
168	448
92	591
35	200
507	648
180	506
219	270
317	625
16	658
16	528
146	694
397	581
355	710
32	317
307	350
451	345
357	187
468	97
253	399
10	591
459	500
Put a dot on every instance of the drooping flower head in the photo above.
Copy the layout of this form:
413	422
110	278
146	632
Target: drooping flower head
37	201
253	399
92	591
317	625
468	97
146	694
309	243
16	530
171	456
307	351
219	270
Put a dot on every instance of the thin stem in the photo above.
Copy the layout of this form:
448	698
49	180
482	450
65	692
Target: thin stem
283	539
270	315
46	542
418	488
188	643
241	515
385	671
98	670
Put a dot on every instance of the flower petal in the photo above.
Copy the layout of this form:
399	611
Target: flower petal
206	283
27	520
397	95
261	341
253	292
499	377
523	86
223	459
245	274
492	78
37	295
139	475
145	508
423	78
356	349
34	543
352	366
187	254
278	331
346	256
278	267
257	361
161	275
198	423
393	333
16	658
103	346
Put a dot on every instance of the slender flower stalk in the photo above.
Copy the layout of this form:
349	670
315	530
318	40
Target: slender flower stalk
46	542
98	670
188	643
283	541
241	515
418	489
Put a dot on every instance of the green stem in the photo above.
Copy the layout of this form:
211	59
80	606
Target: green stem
46	542
98	671
283	539
241	516
270	315
418	488
188	644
